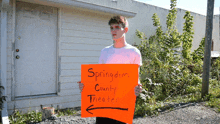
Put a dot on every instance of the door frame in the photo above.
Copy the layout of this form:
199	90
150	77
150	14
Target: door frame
58	58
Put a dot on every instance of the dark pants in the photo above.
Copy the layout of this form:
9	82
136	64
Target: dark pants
102	120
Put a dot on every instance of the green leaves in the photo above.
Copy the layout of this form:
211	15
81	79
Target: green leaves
165	73
29	117
198	54
187	38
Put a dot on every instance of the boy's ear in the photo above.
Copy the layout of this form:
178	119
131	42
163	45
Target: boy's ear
126	29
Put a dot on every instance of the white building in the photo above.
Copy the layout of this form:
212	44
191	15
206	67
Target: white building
54	37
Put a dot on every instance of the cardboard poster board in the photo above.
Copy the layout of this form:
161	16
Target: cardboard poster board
109	91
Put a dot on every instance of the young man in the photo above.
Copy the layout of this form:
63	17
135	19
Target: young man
118	53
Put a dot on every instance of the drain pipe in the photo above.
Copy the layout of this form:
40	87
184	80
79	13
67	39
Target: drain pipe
4	10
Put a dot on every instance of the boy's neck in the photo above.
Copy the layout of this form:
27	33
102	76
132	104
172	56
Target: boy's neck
119	43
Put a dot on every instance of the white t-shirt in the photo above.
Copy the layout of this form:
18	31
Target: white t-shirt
125	55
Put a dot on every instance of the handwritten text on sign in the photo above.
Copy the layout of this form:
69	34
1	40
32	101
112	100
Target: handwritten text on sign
109	91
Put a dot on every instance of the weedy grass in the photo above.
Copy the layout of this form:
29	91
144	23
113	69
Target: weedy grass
211	100
151	108
34	117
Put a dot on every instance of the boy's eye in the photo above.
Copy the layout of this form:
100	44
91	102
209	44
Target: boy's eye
116	27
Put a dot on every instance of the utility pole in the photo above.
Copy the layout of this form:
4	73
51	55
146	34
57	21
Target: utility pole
207	56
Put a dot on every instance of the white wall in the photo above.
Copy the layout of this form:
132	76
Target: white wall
83	35
143	20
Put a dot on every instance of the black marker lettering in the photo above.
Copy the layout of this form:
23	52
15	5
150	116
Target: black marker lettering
96	86
90	97
91	72
97	75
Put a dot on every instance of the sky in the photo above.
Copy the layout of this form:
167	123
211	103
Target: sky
197	6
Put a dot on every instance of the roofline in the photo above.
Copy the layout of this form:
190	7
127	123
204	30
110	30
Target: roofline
85	5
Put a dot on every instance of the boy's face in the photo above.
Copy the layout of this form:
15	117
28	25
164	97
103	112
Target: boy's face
118	31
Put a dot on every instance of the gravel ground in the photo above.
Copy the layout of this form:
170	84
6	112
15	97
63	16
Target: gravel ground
190	113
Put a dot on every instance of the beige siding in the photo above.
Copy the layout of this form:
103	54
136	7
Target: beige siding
74	46
84	40
76	60
215	33
69	86
82	37
73	79
34	104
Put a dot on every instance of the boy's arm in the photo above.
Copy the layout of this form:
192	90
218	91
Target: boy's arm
139	82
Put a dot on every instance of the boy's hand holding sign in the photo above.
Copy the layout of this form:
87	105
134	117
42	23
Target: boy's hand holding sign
109	91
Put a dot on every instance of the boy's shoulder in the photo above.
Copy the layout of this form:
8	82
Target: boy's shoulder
128	47
107	48
133	49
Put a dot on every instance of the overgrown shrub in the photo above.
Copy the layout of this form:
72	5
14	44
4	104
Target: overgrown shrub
168	71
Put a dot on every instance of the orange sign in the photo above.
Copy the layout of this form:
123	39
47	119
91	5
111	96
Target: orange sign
109	91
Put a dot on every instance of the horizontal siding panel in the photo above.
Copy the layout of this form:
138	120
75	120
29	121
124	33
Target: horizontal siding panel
73	59
37	102
19	104
75	46
70	79
84	18
70	92
86	22
79	60
79	53
70	72
45	101
75	66
70	104
71	98
72	16
85	28
72	85
84	40
87	34
22	103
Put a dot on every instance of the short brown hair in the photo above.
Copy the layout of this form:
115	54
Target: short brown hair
118	20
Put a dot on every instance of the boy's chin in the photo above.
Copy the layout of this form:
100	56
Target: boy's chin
116	38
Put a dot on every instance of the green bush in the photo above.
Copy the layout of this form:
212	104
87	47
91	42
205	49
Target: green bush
168	72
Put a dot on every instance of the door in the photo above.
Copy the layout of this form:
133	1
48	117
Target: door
35	38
